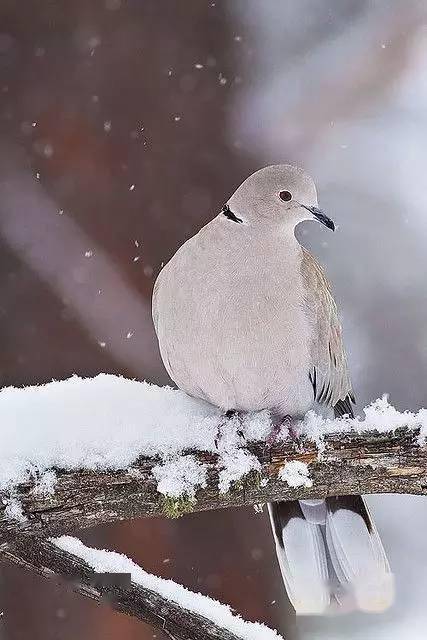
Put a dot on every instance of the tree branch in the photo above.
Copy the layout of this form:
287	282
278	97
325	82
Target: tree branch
345	463
348	463
42	556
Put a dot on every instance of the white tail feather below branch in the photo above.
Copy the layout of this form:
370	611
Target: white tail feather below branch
331	556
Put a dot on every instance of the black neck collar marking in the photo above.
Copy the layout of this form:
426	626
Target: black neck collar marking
229	214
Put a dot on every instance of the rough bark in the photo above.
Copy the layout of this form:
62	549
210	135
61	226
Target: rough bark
348	463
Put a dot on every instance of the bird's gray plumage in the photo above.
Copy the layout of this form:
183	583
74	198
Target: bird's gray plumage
329	373
244	314
246	320
317	318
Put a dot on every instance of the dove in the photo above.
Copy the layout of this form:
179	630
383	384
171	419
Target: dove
246	320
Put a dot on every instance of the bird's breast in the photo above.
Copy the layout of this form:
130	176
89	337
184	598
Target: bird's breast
232	327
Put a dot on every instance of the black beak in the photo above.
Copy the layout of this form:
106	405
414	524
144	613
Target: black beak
320	216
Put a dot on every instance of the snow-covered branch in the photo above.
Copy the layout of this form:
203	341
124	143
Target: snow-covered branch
110	577
345	463
80	453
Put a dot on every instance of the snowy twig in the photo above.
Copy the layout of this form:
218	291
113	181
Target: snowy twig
339	464
127	595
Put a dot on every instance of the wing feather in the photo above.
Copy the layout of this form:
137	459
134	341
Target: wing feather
329	374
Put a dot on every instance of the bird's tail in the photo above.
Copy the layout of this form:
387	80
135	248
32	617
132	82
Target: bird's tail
331	556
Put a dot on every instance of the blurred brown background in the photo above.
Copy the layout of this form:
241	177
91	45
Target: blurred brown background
124	126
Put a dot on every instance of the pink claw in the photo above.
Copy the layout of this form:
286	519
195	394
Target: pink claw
277	428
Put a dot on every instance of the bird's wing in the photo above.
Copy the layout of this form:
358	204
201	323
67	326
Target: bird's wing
329	372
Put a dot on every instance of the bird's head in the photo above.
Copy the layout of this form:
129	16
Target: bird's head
281	194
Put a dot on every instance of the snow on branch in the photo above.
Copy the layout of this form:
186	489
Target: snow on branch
79	453
112	577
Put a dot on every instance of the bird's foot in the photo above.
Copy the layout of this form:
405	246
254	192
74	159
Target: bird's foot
289	423
228	415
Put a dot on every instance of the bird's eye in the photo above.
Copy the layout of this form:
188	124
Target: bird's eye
285	195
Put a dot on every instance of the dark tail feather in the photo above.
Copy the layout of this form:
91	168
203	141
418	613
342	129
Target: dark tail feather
344	407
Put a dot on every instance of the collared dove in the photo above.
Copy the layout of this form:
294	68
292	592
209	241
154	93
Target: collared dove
246	320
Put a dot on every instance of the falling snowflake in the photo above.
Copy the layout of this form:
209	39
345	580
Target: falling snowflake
47	150
93	42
